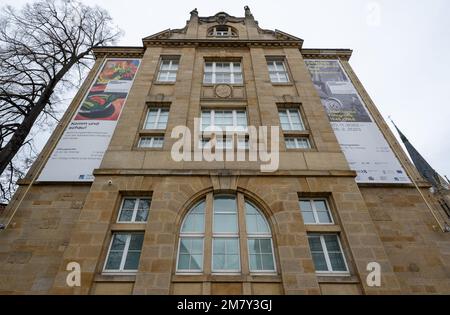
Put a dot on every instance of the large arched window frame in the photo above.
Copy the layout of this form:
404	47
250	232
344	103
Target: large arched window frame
225	234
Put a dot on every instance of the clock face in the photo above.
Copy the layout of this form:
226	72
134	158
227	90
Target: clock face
332	104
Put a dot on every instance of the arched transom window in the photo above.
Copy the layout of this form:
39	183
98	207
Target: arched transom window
225	234
222	31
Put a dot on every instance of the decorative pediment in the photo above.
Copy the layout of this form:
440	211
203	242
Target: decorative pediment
166	34
221	18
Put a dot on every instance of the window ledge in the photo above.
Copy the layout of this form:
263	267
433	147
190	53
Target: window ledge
319	228
164	83
281	83
226	278
296	133
337	278
116	277
152	132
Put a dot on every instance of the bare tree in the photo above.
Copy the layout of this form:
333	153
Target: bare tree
45	49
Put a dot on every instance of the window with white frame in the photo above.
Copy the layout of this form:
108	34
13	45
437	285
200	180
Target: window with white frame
290	119
192	234
222	31
224	143
297	143
157	118
259	241
277	71
223	120
315	211
151	142
225	237
134	210
327	254
168	69
222	72
124	252
225	253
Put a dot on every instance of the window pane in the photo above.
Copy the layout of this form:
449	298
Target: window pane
190	254
337	262
315	244
219	262
232	262
305	205
129	204
255	262
308	217
324	217
267	262
114	259
207	78
256	223
136	241
319	262
141	216
225	223
196	262
126	215
183	262
331	241
119	241
195	220
132	261
226	254
265	245
224	204
261	255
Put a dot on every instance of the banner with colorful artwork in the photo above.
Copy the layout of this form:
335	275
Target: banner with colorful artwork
362	142
85	140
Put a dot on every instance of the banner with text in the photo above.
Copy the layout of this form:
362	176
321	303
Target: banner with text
363	144
83	144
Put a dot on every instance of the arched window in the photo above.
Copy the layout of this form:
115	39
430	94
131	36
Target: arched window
227	234
222	31
190	252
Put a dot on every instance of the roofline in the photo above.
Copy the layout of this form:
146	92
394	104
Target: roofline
327	53
118	51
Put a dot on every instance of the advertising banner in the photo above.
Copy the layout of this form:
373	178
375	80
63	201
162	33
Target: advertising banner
363	144
85	140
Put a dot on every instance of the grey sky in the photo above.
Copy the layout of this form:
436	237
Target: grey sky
401	57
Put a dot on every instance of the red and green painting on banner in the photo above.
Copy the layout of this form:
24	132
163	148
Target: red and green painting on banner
109	92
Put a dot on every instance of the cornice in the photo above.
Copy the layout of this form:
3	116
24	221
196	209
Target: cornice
222	42
314	53
119	51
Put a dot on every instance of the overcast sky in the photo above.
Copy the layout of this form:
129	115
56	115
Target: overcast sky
400	49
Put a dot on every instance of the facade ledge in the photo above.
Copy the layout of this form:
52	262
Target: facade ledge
314	53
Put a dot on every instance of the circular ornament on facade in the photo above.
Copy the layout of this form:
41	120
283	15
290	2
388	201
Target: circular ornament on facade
223	90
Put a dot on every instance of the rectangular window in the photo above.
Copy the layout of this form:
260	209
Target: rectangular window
124	252
134	210
290	119
157	118
277	71
315	211
222	72
327	253
168	70
190	257
297	143
223	120
151	142
261	255
226	254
